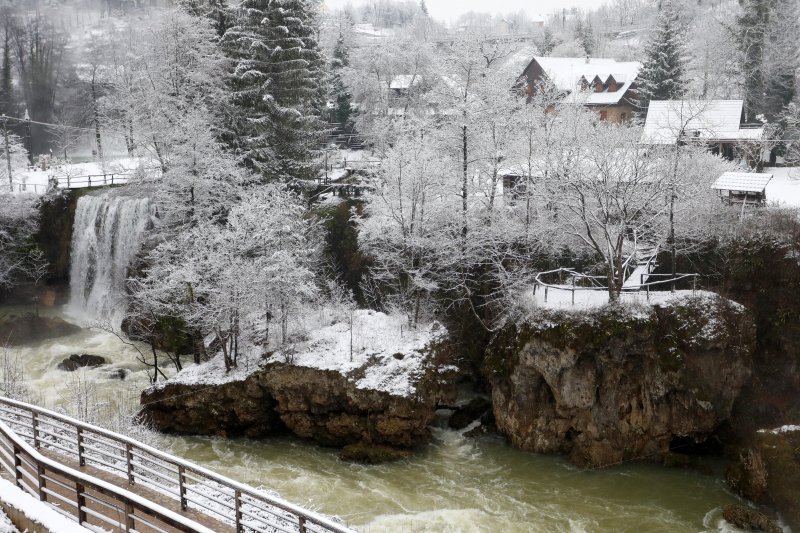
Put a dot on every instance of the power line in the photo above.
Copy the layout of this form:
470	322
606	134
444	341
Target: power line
60	126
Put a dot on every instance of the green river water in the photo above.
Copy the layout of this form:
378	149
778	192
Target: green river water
453	484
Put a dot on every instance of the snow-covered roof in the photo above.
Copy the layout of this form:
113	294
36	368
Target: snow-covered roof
404	81
567	74
742	181
704	119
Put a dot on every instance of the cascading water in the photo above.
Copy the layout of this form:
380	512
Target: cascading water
106	236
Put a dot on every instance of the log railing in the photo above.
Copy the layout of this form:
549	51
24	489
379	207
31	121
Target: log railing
25	428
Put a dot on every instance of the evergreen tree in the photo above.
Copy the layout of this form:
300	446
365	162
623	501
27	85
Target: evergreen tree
6	87
339	94
423	7
584	35
782	57
276	87
549	41
662	73
752	26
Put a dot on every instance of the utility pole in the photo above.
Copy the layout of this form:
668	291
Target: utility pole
29	143
8	153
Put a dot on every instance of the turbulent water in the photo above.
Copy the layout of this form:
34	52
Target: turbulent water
106	236
454	484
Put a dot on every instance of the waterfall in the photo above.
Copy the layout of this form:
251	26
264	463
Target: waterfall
106	235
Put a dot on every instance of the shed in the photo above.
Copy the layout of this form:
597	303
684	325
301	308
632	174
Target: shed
742	187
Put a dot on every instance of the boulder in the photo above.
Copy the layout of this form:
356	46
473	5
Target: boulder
468	413
614	384
18	330
749	519
76	361
363	452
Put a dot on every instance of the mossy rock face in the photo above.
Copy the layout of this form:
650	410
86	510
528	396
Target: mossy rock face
613	384
769	473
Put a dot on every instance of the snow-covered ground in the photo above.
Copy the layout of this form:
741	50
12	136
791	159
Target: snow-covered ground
37	511
378	352
784	188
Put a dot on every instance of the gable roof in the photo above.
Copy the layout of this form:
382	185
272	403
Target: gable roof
404	81
742	181
718	120
566	74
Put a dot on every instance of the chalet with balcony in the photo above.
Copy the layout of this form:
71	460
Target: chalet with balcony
602	84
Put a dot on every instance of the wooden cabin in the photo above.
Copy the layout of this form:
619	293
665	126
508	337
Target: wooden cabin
602	84
744	188
717	124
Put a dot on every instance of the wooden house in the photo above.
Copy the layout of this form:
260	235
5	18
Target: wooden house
604	85
717	124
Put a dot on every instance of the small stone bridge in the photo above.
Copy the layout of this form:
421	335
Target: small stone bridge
109	481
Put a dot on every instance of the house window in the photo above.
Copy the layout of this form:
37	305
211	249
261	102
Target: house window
603	115
623	117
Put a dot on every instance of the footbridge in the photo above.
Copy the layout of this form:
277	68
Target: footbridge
106	481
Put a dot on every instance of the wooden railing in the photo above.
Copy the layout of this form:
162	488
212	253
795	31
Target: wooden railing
25	428
91	180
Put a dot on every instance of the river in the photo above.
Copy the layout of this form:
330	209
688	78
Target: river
453	484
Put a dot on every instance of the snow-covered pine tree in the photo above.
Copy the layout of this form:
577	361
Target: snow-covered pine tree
662	73
339	93
277	87
781	58
423	7
6	85
584	34
752	30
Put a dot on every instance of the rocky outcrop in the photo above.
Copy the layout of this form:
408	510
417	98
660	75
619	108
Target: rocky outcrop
611	384
768	472
323	405
236	408
76	361
25	329
749	519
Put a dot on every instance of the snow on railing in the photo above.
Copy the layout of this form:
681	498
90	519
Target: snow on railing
246	508
575	276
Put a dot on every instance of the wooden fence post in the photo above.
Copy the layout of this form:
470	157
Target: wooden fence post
129	525
17	466
182	486
35	427
301	524
40	480
129	462
237	509
81	459
81	501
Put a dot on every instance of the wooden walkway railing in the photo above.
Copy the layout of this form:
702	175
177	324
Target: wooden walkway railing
25	428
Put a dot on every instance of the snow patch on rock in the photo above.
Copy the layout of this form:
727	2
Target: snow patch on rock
378	352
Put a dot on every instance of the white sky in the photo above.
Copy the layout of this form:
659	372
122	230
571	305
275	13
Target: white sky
449	10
